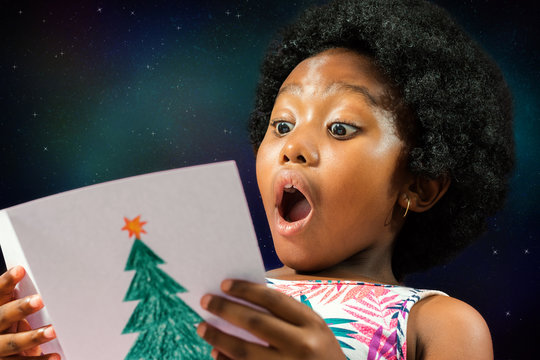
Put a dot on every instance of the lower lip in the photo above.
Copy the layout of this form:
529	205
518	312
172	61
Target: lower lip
285	228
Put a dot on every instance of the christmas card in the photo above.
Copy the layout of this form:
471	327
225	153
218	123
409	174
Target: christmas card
121	266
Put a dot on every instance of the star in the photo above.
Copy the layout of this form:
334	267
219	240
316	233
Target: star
14	66
228	12
178	27
99	10
495	252
132	13
508	313
45	148
61	53
20	12
238	16
153	133
526	251
134	227
34	114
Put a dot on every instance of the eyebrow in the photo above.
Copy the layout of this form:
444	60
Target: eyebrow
296	89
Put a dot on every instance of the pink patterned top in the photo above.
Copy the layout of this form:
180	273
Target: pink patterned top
369	320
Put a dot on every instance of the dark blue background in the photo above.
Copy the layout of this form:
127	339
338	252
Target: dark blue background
94	91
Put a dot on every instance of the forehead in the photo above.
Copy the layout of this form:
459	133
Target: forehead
333	70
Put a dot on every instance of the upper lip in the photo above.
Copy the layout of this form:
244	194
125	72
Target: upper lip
287	178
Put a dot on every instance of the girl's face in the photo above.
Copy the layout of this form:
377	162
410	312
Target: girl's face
328	166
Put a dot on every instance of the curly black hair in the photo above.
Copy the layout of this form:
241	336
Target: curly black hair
459	101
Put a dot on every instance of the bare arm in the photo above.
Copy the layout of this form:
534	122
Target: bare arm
442	328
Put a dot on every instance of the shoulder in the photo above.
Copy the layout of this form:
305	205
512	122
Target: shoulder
441	327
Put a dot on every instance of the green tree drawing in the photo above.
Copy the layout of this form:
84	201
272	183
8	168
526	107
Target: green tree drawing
165	322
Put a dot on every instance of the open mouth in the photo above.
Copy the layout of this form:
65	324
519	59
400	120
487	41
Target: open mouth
294	205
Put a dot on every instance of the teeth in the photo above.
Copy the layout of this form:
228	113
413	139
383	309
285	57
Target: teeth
289	188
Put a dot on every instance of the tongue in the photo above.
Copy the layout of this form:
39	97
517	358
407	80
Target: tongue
299	210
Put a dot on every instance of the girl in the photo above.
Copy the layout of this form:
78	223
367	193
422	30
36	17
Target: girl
383	139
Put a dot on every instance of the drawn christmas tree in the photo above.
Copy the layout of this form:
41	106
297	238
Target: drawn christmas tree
166	323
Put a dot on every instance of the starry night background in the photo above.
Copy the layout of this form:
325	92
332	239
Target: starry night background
94	91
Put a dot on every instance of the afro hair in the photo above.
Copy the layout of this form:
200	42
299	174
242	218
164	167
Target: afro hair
456	95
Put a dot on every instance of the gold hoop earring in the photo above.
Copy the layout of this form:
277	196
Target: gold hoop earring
407	210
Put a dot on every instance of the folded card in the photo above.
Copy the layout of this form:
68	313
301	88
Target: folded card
121	266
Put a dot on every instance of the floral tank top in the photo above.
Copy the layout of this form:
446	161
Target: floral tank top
368	320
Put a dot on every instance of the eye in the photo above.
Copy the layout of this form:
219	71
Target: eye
282	127
342	130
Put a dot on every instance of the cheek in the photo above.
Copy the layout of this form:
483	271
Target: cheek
263	167
362	183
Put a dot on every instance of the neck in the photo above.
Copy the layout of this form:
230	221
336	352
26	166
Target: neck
363	266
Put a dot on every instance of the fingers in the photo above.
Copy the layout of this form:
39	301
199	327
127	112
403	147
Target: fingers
263	325
219	356
17	310
24	344
23	325
41	357
11	344
230	347
8	281
277	303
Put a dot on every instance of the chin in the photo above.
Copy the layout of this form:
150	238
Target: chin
302	264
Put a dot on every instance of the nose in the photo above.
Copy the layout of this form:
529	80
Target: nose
299	150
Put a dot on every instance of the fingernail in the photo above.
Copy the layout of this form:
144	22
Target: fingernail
205	300
49	333
54	357
201	329
214	354
35	301
226	285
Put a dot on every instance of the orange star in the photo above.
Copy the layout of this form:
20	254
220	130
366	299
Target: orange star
134	226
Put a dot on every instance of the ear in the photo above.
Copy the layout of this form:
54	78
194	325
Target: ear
422	193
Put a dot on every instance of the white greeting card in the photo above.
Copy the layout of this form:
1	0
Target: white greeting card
121	266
